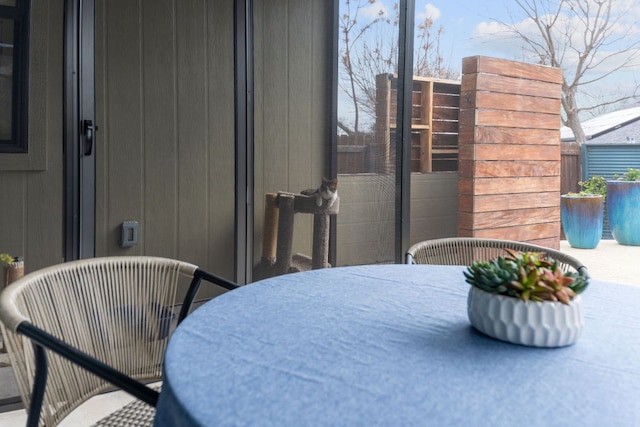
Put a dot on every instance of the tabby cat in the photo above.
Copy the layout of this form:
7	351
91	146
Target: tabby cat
328	190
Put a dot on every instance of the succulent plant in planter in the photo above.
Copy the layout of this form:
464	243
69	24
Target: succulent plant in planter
526	298
623	207
582	213
526	275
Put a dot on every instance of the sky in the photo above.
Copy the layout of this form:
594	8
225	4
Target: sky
471	28
463	22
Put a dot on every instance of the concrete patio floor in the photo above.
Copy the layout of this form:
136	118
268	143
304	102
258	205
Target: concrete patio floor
609	261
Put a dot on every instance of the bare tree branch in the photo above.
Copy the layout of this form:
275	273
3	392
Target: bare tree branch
590	40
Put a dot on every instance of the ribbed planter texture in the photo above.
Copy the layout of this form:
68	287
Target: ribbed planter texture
582	219
623	208
531	323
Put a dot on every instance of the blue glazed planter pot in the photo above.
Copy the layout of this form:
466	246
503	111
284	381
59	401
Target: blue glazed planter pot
623	208
582	219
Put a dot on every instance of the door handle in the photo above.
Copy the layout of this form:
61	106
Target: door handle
88	129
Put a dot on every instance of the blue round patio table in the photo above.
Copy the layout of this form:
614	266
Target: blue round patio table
391	345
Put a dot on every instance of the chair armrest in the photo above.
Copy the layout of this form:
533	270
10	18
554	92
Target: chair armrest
582	270
198	276
216	280
90	363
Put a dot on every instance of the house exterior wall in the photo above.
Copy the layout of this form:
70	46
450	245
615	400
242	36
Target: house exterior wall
165	145
31	195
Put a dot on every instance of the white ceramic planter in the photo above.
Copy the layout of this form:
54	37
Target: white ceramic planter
532	323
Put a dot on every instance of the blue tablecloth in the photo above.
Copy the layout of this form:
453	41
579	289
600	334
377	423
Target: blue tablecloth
392	345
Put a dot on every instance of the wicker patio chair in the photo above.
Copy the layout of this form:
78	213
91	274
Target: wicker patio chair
77	329
466	250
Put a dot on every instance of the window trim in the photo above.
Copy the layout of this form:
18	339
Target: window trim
18	143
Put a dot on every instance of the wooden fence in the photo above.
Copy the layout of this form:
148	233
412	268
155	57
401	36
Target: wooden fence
571	168
356	154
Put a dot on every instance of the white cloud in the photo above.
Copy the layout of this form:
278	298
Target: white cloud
430	11
618	56
375	9
495	39
489	29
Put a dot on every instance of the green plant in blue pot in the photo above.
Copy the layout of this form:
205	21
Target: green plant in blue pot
623	207
582	213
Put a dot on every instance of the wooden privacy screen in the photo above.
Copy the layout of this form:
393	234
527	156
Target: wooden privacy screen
509	136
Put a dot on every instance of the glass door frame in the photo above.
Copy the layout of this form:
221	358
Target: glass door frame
79	129
244	140
403	143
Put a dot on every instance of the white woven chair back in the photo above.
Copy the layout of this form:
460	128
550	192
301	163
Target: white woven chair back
466	250
121	310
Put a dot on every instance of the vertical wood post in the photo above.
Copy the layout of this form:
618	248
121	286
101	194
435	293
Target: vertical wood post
320	254
285	233
383	123
269	242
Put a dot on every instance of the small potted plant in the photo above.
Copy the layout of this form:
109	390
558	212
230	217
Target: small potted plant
582	213
12	268
526	298
623	207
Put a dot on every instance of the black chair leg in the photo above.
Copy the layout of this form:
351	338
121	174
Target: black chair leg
39	384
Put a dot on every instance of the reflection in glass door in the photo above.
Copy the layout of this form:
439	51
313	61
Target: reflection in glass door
320	111
370	156
293	71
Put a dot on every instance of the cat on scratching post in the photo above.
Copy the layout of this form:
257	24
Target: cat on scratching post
328	190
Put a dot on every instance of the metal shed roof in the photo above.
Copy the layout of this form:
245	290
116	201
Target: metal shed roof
615	127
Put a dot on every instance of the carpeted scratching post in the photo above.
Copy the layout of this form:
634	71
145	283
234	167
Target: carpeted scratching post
290	204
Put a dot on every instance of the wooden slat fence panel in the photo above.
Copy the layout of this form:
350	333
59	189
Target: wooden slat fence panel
510	157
